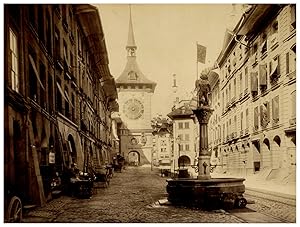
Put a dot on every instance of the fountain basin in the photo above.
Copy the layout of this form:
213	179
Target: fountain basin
214	193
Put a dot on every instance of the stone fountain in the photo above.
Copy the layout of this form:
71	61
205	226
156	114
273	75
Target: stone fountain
206	192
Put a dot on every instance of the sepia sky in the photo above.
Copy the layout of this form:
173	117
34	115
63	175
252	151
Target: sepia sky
166	36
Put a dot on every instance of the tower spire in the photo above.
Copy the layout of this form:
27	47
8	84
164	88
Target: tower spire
131	46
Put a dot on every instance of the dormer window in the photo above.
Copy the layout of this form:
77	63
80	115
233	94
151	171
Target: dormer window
132	75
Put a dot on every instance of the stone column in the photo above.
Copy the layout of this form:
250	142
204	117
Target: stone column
203	114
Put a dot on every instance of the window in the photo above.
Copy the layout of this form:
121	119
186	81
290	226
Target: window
275	109
187	147
48	33
132	75
234	88
293	16
241	84
57	43
227	129
50	93
246	78
186	125
290	62
230	128
59	97
180	125
31	15
247	118
256	118
66	53
43	80
264	114
41	24
67	107
14	61
223	104
242	120
293	104
229	92
73	108
32	75
235	124
180	147
254	83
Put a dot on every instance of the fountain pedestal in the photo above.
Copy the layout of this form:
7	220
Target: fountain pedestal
206	192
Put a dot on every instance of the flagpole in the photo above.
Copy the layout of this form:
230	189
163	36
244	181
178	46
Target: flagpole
197	61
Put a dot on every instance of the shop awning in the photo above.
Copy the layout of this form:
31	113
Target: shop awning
35	71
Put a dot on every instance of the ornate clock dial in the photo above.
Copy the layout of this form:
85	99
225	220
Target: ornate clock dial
133	109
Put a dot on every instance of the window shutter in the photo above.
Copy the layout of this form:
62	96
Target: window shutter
256	117
293	15
287	62
275	108
254	81
262	115
268	111
263	74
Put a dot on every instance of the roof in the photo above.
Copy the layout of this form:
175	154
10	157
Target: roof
132	67
184	111
132	73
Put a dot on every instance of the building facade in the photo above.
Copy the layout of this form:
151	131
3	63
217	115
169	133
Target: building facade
59	96
257	126
135	92
185	137
162	153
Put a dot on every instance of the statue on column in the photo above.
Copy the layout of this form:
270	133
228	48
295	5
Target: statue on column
203	89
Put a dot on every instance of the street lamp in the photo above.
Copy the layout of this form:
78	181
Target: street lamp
178	140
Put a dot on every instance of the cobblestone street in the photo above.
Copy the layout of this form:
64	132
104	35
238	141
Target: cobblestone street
131	197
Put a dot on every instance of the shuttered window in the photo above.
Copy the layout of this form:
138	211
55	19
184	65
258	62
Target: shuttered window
254	82
275	109
263	75
256	118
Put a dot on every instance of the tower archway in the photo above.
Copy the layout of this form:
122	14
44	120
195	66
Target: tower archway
134	158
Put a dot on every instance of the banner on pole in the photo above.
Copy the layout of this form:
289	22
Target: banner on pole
201	53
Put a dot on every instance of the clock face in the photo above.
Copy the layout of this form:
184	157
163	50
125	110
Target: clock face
133	109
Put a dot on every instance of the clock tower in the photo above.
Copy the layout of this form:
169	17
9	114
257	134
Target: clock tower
135	92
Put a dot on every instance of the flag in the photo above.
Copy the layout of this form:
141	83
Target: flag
201	53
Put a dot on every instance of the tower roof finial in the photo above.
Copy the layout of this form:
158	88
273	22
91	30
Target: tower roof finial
131	41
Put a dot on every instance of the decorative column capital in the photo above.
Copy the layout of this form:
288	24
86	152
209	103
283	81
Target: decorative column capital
203	114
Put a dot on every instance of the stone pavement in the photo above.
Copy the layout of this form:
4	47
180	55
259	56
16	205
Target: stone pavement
132	197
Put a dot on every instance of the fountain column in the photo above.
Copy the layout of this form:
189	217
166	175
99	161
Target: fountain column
203	114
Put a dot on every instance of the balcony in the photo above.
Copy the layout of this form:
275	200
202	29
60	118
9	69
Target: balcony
246	131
